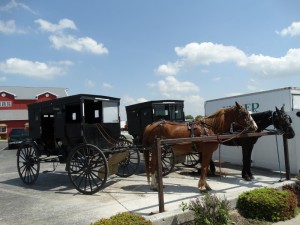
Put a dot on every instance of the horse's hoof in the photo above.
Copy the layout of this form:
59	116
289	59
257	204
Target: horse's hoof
203	190
153	188
208	188
251	177
246	178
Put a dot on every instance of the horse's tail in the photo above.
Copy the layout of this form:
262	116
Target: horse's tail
148	143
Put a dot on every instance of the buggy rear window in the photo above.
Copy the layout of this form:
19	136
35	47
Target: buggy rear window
110	112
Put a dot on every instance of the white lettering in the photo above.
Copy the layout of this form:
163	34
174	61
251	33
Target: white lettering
253	107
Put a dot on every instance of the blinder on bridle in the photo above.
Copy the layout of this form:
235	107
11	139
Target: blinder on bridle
281	121
244	114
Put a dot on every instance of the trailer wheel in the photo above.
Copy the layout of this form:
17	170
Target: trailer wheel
192	159
28	162
87	168
130	165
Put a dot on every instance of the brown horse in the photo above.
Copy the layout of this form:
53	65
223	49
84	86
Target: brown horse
220	121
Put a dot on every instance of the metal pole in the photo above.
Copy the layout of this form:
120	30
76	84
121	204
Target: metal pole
286	157
159	177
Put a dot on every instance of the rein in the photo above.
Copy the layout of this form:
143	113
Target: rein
274	113
229	139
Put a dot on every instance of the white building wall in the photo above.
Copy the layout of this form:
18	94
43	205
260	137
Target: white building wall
264	153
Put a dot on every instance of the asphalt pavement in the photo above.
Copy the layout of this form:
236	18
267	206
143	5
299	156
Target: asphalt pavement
52	200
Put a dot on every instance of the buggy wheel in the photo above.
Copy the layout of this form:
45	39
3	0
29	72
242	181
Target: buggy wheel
167	159
87	168
28	162
192	159
130	165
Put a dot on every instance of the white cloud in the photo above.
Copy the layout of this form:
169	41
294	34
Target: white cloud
292	30
170	87
169	69
9	27
59	39
89	83
207	53
253	85
62	25
127	100
14	5
268	66
216	78
194	105
107	85
233	94
84	44
34	69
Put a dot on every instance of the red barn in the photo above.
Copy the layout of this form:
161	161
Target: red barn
14	101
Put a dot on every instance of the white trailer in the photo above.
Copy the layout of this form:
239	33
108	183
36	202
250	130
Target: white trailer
264	153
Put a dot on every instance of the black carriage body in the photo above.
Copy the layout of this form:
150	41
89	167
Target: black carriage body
60	124
141	114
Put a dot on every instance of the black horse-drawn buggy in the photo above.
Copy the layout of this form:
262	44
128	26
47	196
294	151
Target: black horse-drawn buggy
142	114
82	131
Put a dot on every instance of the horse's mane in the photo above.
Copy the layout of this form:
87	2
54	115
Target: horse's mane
262	119
262	114
216	114
216	120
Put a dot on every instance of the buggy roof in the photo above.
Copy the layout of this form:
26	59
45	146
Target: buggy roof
150	103
72	99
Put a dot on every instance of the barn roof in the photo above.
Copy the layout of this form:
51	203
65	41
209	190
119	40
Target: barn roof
22	93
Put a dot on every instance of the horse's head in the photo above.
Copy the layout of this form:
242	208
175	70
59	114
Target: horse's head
283	122
243	118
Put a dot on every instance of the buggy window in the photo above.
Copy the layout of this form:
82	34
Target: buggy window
92	111
172	112
176	113
73	113
161	112
110	112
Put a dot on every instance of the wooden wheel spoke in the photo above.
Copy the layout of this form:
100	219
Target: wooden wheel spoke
28	162
90	171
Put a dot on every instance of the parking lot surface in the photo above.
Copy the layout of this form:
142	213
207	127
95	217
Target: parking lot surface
52	200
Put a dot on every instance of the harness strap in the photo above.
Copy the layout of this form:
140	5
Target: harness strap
220	164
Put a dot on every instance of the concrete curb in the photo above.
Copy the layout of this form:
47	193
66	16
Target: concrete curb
176	217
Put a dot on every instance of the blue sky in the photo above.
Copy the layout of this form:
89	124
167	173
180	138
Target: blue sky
148	50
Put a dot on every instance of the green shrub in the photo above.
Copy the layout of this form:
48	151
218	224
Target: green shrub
295	188
125	218
268	204
212	211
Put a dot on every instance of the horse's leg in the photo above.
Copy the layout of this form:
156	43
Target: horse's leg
206	157
154	183
250	148
212	167
246	172
244	169
146	158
